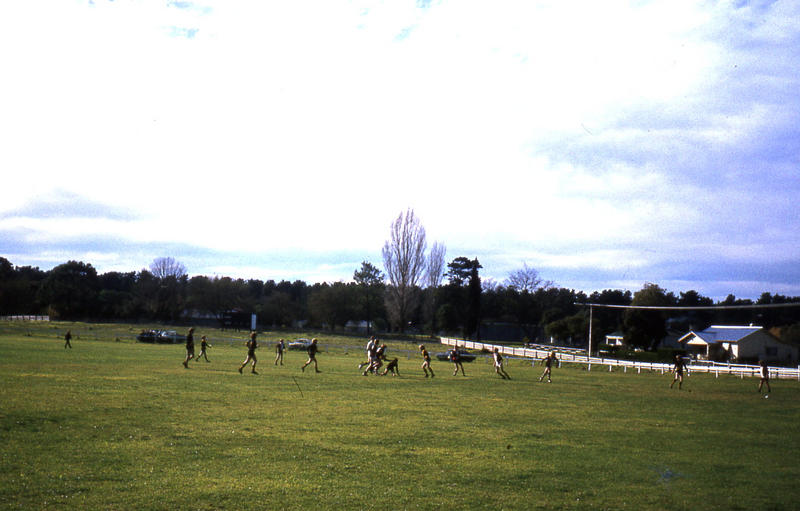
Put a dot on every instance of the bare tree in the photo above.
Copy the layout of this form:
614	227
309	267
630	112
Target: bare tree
527	279
404	261
434	273
489	285
434	270
163	267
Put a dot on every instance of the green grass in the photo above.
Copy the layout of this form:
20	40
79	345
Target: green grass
122	425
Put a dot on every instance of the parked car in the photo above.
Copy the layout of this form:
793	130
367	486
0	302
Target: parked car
299	344
465	355
170	337
147	336
161	336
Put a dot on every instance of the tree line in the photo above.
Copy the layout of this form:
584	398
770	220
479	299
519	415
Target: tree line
415	292
460	305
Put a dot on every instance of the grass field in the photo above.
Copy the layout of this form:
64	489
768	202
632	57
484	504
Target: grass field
122	425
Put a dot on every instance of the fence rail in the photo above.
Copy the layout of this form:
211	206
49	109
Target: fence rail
569	355
25	318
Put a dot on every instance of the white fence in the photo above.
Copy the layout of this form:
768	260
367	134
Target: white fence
24	318
570	355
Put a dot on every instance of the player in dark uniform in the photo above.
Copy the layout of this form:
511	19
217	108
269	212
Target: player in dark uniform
189	347
764	376
67	338
279	349
548	366
391	366
678	370
203	345
252	345
312	356
455	358
426	361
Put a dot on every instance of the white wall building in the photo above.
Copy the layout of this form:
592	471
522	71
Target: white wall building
739	343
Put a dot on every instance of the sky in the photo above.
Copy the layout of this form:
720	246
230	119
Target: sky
605	144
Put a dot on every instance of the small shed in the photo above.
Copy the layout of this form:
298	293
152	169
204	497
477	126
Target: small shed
738	343
615	339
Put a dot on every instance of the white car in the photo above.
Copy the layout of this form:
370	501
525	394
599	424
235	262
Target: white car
299	344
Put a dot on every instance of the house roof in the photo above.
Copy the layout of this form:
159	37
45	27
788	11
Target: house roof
720	333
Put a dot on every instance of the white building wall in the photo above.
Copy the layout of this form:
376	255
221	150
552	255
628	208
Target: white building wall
755	346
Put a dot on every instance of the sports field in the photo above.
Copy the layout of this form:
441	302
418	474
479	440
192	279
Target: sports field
122	425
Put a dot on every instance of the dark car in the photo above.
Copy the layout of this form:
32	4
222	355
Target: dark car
161	336
465	356
170	337
299	344
147	336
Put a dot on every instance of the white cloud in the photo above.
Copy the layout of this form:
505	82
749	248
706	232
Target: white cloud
609	130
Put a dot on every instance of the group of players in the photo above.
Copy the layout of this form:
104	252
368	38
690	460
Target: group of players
252	346
679	367
376	356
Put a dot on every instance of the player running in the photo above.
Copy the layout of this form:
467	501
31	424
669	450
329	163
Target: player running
372	344
764	377
376	353
312	356
203	345
252	345
426	361
678	369
498	365
455	358
189	347
548	366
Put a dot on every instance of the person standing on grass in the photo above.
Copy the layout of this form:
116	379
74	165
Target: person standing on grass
764	377
279	349
455	358
548	366
252	345
678	370
498	364
67	338
189	347
203	345
312	356
426	361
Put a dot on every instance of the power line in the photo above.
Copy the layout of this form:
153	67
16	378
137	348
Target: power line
676	308
696	307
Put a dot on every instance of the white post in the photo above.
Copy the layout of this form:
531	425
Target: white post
590	330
